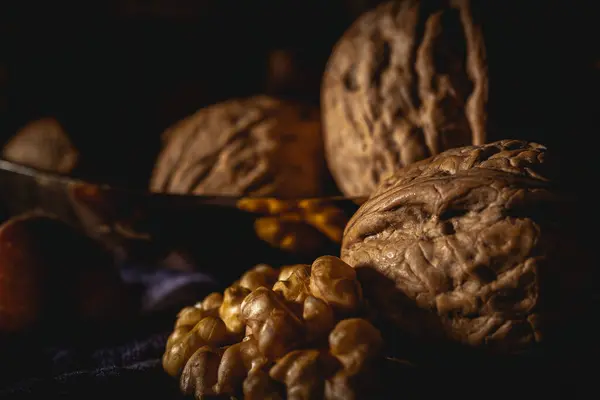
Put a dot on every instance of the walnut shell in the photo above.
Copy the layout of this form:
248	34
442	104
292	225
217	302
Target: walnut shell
253	146
42	144
406	81
471	245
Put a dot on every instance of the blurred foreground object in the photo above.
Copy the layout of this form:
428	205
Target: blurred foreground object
303	226
50	271
43	144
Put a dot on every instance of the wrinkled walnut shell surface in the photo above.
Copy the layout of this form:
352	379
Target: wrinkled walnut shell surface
471	245
408	80
255	146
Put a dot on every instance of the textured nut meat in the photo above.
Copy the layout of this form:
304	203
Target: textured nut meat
42	144
253	146
407	81
472	253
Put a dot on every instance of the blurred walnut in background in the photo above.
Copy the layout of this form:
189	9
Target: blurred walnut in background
304	226
407	81
43	144
254	146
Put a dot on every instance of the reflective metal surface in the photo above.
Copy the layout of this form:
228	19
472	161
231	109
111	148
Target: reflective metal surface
208	231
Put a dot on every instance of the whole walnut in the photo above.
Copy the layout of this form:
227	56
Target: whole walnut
43	144
475	245
406	81
252	146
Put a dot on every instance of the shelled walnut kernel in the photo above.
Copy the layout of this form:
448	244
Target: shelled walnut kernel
303	338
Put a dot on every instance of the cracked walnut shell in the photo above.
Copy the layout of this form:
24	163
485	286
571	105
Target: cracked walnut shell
257	146
473	245
408	80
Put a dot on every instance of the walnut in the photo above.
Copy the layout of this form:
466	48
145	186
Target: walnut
303	226
211	302
274	325
344	368
261	275
296	346
407	80
256	146
201	372
293	285
475	245
215	321
303	372
210	331
230	309
318	318
43	144
333	281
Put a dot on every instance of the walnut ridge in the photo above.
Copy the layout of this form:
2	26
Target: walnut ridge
253	146
408	80
473	245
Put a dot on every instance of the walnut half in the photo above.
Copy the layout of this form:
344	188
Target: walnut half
304	340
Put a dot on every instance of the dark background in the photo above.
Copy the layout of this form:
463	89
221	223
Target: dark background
117	73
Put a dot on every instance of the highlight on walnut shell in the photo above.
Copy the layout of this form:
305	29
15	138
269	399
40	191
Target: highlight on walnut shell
256	146
476	245
303	338
387	98
298	226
